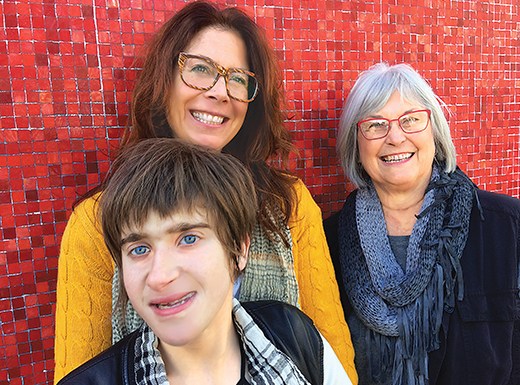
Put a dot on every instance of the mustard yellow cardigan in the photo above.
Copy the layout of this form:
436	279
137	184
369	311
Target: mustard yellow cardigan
84	288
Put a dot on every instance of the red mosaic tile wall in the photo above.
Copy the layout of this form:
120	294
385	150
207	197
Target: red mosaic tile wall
65	80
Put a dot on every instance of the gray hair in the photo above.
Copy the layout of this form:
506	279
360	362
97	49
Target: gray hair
370	93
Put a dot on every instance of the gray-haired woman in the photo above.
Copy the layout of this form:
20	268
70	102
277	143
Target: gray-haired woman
426	262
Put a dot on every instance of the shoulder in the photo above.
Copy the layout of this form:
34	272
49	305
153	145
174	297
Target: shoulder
304	197
86	212
306	213
276	312
88	205
83	237
292	332
496	216
107	368
499	203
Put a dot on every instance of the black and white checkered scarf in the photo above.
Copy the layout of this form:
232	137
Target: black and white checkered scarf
266	365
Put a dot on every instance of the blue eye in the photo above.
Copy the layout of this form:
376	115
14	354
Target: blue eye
189	239
139	250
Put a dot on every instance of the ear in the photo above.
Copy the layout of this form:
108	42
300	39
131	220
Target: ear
242	259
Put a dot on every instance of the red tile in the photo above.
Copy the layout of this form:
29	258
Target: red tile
69	75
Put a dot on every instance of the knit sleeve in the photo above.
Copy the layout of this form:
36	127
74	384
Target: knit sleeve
84	292
319	295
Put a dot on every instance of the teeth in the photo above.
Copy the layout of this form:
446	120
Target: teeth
207	118
396	158
175	303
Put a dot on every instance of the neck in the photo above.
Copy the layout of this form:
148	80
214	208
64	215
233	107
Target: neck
212	361
400	209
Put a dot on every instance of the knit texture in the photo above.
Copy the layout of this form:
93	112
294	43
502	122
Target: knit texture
270	269
87	263
83	299
402	309
319	294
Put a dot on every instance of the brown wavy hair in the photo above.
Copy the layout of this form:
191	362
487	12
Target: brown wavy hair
262	141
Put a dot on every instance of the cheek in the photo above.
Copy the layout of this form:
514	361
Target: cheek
178	96
131	277
172	109
429	146
240	111
365	152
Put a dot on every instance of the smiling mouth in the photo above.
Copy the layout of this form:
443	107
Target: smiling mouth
396	158
179	302
206	118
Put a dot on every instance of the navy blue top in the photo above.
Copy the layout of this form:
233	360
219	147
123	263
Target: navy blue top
480	339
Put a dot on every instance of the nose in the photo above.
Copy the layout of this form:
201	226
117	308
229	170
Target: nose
164	269
219	90
395	134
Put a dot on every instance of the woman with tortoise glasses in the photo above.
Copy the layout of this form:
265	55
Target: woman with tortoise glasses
209	78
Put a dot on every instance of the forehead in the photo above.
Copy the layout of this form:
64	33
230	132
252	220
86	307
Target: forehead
397	103
224	46
156	221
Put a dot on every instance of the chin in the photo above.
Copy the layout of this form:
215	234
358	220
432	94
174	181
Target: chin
176	336
210	143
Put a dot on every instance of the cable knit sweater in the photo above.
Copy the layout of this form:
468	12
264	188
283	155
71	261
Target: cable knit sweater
84	289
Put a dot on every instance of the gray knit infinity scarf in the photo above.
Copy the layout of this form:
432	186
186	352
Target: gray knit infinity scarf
403	310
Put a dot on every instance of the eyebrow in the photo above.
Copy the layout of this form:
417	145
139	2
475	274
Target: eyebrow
207	58
176	228
382	117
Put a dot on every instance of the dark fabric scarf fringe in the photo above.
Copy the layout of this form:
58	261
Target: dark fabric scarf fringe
402	358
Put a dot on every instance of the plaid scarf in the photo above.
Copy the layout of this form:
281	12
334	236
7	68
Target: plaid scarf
266	365
269	274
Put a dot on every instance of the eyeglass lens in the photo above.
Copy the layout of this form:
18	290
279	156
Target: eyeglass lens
202	74
410	122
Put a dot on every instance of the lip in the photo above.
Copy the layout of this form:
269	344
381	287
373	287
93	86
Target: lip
179	303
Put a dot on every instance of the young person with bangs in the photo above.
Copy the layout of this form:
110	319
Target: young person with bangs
178	220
